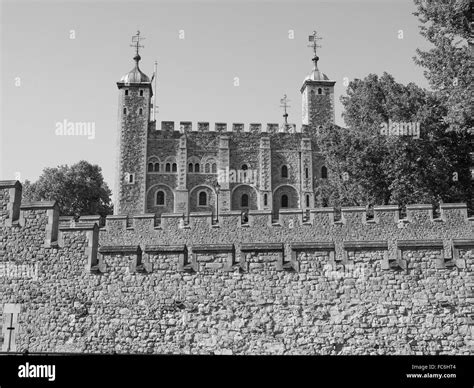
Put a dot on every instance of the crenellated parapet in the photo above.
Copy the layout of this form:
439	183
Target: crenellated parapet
352	230
170	127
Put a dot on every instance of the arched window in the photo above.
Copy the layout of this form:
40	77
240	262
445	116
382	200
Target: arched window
157	167
207	168
320	91
244	167
324	172
214	168
190	167
141	93
124	111
140	111
168	167
265	200
196	167
284	200
244	200
160	198
202	198
174	167
150	167
306	172
284	172
307	200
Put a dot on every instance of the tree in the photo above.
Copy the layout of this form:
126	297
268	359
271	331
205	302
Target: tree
368	167
79	189
446	24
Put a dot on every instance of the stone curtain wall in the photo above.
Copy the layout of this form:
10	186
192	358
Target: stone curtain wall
319	287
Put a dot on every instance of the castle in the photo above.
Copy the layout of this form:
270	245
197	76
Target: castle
183	169
168	273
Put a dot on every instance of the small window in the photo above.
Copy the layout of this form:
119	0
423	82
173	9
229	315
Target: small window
174	167
190	167
131	178
207	168
126	92
168	167
324	172
284	172
306	172
140	111
244	200
157	167
284	201
150	167
124	111
265	199
320	91
141	93
244	167
196	167
307	200
214	168
202	198
160	198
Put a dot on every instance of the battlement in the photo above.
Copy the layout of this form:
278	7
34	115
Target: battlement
354	222
349	229
187	126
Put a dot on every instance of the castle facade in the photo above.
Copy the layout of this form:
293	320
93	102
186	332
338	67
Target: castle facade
187	168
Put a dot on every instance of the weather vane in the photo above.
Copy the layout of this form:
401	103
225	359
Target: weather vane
136	39
284	104
313	39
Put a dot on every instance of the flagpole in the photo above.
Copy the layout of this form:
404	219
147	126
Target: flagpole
154	94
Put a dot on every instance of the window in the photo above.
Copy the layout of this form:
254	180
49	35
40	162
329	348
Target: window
284	172
214	168
324	172
150	167
190	167
160	198
131	178
141	93
284	200
168	167
207	168
306	172
265	200
140	111
320	91
157	167
126	92
244	200
196	167
202	198
244	167
124	111
174	167
307	200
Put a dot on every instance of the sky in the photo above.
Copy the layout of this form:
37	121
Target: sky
61	61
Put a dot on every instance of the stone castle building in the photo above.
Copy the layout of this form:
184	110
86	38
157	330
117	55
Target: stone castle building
187	168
